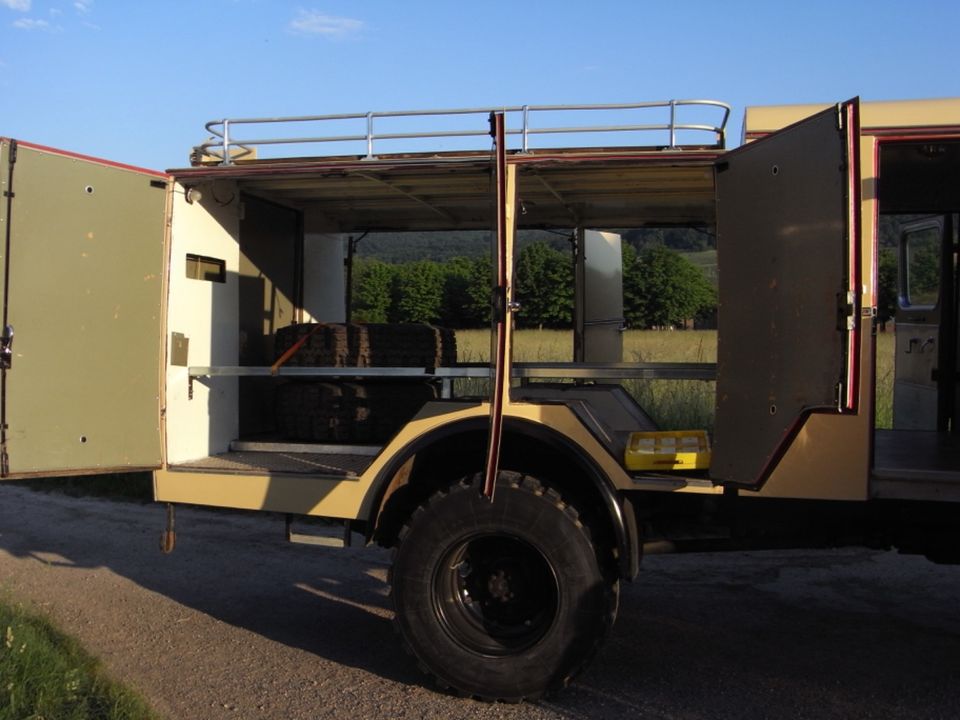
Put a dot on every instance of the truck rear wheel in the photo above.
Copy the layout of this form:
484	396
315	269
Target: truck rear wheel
504	600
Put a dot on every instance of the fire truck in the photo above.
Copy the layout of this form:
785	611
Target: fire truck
195	323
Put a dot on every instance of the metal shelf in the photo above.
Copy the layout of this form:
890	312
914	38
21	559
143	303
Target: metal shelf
577	371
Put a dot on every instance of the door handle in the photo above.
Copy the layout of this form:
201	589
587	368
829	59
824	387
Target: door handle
923	346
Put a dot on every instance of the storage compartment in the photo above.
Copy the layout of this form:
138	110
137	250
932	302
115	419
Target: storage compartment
677	450
274	354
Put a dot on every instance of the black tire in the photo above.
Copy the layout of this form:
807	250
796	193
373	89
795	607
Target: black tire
505	600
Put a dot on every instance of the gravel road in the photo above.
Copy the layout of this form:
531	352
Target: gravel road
238	624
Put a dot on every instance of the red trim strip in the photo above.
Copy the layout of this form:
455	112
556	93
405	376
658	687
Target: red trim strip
854	281
875	238
932	132
90	158
927	132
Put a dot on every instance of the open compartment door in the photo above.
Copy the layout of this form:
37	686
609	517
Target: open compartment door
787	227
83	250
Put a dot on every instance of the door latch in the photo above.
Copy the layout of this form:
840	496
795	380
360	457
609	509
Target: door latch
6	348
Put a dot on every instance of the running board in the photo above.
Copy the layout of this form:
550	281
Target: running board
330	541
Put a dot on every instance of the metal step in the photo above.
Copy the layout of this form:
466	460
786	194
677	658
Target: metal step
330	541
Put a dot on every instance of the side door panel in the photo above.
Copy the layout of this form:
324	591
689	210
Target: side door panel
787	219
83	260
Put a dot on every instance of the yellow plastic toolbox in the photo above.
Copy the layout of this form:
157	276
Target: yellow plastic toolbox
668	450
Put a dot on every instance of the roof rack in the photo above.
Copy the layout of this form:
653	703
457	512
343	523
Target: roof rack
366	133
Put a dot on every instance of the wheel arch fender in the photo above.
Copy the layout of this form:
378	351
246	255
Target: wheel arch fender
409	478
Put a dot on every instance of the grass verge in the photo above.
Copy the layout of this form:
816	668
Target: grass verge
46	674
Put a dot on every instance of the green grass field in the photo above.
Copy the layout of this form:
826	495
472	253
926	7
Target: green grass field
45	674
886	349
673	404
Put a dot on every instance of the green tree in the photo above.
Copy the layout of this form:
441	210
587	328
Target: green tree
662	288
417	292
466	293
923	268
372	286
544	286
887	282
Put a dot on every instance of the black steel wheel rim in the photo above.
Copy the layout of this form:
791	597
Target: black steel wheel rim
495	594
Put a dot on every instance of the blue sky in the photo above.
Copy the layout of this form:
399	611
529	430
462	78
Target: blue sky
135	81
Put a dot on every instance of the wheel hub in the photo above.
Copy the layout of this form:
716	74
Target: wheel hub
499	586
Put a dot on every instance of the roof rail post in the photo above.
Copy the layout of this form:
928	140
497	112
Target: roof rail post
673	124
370	155
227	160
526	118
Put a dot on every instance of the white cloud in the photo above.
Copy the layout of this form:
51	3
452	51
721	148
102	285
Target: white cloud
312	22
21	5
32	24
83	6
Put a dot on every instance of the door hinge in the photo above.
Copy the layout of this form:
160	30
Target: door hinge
11	160
6	348
846	319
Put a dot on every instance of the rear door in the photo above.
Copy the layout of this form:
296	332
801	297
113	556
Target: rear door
83	249
787	224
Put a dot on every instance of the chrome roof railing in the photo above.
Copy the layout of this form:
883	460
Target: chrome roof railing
365	133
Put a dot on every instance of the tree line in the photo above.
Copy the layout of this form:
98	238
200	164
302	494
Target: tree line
660	288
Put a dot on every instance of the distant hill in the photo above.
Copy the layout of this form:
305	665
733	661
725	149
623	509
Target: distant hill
443	246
